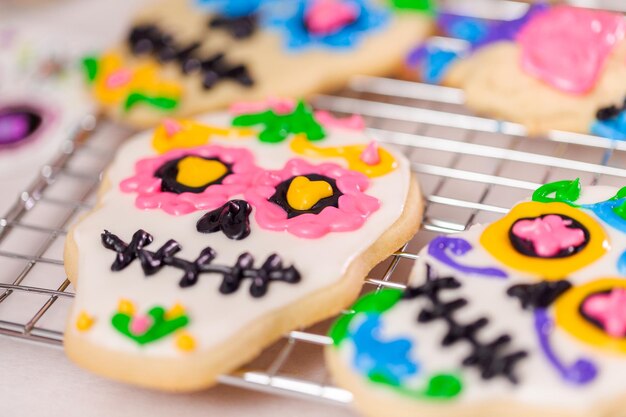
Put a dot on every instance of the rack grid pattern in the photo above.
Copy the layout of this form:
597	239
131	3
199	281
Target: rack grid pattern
470	168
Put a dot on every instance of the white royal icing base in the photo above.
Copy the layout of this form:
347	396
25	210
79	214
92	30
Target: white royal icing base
214	317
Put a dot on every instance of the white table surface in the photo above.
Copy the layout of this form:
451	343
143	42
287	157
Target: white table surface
38	380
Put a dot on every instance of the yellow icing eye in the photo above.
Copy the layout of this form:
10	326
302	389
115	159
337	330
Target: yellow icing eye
84	321
196	172
304	193
497	241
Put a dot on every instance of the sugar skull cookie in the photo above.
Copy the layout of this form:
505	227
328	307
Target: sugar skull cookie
214	237
184	57
524	316
555	67
41	103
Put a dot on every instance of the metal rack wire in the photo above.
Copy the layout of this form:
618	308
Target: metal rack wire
471	169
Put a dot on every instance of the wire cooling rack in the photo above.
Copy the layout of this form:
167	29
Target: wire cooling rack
470	168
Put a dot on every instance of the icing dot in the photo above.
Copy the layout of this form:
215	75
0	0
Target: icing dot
196	172
84	321
140	324
126	307
370	154
176	311
304	193
119	78
185	342
171	126
17	124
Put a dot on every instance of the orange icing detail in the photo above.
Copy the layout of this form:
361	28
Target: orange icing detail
185	342
304	193
126	307
495	239
116	81
84	321
176	311
190	134
350	153
196	172
568	317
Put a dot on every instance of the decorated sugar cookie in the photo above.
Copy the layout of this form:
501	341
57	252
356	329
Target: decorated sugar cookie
214	237
554	67
184	57
524	316
41	103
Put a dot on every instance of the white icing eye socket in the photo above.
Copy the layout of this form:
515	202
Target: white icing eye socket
19	123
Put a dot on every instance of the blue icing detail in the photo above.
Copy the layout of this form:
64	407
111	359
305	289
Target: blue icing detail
462	27
389	359
621	264
432	62
606	212
614	128
298	36
231	8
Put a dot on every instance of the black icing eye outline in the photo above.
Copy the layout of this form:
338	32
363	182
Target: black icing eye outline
280	196
19	123
168	174
527	247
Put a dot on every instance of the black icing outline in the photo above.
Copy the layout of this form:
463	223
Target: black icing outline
487	357
271	270
169	171
239	27
526	248
280	196
33	132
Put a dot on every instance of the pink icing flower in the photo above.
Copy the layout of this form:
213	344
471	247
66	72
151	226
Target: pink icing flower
354	207
567	46
148	186
609	310
325	17
119	78
549	234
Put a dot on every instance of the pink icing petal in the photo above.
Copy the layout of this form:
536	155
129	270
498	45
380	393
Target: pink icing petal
353	122
171	127
354	206
119	78
325	17
549	234
148	187
567	47
609	310
140	324
370	155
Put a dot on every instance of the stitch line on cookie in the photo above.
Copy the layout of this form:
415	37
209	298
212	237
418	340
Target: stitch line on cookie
272	269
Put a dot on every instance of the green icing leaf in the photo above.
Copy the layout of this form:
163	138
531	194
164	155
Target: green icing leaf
564	192
621	210
443	386
90	66
163	103
278	127
376	302
160	328
620	194
419	5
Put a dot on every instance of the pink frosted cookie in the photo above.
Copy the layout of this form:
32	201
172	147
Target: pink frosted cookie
558	67
522	317
214	237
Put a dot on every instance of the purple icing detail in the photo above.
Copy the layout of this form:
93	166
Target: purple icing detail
580	372
17	124
440	246
481	32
